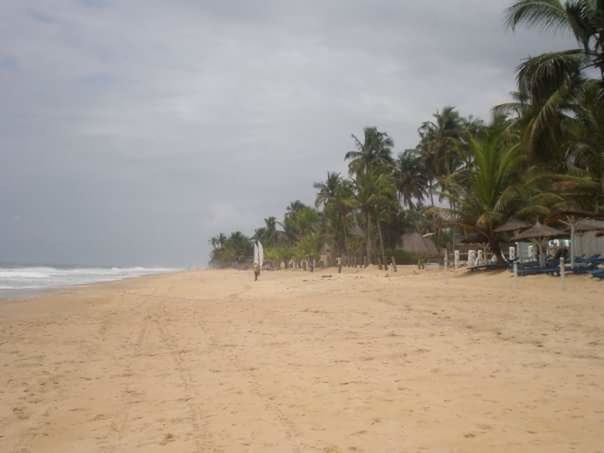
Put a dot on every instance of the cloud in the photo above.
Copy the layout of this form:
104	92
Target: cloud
8	63
131	132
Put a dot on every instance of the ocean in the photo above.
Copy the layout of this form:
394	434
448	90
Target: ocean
32	279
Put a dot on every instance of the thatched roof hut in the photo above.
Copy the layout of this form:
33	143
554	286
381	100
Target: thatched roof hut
418	245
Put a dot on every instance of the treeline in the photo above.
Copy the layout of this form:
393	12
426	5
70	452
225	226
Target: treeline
541	157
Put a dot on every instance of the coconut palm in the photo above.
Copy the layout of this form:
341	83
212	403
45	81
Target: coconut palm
335	197
374	192
585	150
583	18
299	221
410	179
374	151
218	241
268	234
499	186
549	80
440	146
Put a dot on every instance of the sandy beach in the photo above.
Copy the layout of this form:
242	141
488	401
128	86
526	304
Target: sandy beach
210	361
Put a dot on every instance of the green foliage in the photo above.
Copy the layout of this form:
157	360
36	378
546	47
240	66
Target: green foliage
374	150
549	82
236	249
542	154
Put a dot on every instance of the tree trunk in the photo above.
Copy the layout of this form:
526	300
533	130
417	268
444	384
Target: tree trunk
431	193
381	238
368	245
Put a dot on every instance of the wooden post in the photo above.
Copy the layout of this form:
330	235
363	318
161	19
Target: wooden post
339	261
394	264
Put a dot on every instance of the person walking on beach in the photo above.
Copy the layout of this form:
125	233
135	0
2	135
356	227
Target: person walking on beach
258	259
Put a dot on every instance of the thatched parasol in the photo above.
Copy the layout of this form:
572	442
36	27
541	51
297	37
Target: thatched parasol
512	225
539	233
418	245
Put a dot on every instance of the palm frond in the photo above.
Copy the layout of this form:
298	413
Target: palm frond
546	13
542	75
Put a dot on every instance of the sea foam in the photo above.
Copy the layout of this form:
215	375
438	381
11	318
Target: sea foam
42	277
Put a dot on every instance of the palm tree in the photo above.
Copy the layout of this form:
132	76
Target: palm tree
373	194
410	179
584	18
585	150
440	146
327	190
498	187
374	150
299	221
218	241
334	196
548	81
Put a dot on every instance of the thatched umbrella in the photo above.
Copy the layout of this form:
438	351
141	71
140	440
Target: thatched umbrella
539	233
418	245
512	225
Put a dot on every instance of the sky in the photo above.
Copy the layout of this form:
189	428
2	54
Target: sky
132	131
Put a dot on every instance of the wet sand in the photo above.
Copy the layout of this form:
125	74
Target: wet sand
210	361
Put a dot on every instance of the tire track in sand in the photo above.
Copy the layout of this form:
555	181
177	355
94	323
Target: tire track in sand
200	434
121	427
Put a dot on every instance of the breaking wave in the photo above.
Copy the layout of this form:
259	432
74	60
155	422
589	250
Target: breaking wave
31	278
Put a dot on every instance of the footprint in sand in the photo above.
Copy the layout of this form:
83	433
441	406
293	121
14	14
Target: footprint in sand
169	437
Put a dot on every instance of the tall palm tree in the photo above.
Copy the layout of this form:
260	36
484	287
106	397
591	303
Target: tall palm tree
440	146
327	190
268	233
410	179
583	18
373	194
335	197
549	80
374	150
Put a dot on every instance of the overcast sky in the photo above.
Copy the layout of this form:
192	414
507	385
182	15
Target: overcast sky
132	131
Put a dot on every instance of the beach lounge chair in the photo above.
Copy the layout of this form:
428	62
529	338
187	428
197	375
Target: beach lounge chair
488	267
582	268
551	269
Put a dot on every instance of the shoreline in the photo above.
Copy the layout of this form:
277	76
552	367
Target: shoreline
34	293
298	361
